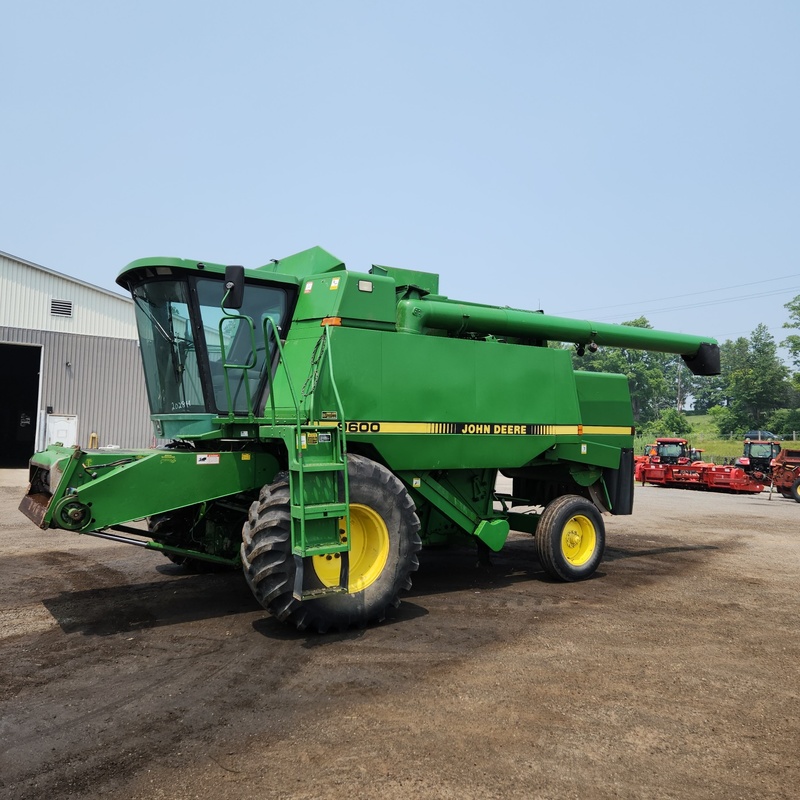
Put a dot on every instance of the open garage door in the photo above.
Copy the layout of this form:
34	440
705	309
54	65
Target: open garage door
19	394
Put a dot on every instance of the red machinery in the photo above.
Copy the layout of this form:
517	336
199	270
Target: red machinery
758	457
786	473
700	475
665	450
672	462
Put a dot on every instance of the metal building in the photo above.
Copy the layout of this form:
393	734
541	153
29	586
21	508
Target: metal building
69	365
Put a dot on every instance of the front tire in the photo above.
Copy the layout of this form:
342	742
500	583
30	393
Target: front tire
794	491
570	538
384	545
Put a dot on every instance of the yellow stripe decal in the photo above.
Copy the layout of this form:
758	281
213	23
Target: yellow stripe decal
485	428
606	430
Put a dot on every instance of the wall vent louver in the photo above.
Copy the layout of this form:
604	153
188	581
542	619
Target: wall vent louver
61	308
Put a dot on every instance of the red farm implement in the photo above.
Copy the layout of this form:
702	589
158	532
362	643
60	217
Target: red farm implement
702	476
786	474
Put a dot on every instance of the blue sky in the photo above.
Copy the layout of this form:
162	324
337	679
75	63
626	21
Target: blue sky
600	160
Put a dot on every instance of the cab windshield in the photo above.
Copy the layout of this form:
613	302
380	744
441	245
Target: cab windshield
671	450
183	333
761	451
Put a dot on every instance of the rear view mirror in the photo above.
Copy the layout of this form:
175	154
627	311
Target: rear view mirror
234	287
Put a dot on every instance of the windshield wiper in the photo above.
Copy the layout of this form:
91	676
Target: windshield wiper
152	319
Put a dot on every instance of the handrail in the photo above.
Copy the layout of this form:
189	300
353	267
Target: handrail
336	396
271	331
343	436
310	385
244	367
271	328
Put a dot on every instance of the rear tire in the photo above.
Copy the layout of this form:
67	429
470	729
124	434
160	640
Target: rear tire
385	542
794	491
570	538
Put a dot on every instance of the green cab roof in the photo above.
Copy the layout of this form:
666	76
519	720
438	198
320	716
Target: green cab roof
291	269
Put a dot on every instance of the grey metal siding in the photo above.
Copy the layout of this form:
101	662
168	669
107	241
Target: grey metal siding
98	378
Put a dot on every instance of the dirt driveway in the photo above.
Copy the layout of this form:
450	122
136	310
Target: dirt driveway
673	673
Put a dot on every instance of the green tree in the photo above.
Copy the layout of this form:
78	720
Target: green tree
784	422
755	382
761	385
669	422
715	392
674	423
792	341
707	392
726	421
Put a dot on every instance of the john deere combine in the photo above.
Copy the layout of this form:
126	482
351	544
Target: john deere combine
322	425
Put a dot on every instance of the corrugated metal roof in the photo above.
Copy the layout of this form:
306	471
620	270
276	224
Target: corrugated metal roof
63	275
33	297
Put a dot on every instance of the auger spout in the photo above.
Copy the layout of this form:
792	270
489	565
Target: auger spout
701	354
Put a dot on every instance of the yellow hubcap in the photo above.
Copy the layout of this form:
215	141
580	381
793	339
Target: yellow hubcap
369	550
578	540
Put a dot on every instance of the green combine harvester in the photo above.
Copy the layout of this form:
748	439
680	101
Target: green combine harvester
322	425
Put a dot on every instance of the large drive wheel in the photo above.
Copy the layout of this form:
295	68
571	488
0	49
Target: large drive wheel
570	538
384	533
794	491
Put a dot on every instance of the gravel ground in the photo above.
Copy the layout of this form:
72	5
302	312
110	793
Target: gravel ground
672	673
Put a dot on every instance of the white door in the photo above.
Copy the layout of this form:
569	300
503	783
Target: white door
62	429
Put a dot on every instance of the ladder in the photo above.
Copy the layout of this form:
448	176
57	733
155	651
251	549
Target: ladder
320	507
318	483
320	493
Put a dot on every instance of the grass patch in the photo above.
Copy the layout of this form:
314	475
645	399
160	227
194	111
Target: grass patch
704	436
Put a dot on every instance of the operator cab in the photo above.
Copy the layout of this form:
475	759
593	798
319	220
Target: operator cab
671	451
758	455
189	342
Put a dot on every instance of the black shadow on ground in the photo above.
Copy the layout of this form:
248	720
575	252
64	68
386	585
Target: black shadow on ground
120	609
616	554
271	628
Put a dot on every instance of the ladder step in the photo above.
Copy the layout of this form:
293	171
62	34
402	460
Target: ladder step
323	549
300	592
319	510
320	467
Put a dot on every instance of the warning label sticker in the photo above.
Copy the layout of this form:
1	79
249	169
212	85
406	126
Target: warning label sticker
208	458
